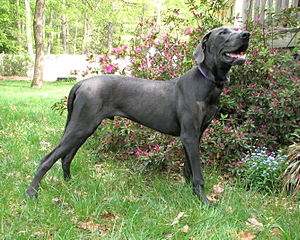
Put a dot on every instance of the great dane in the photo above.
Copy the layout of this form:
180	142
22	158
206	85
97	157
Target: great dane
182	107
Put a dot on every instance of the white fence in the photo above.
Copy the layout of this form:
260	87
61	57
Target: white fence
256	9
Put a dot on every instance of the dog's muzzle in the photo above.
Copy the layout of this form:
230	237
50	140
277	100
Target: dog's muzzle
237	55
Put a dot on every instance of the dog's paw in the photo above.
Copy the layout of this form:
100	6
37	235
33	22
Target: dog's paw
31	193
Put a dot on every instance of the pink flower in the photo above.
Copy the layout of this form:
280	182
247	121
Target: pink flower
156	148
138	49
226	90
248	62
188	31
255	52
273	50
157	41
256	19
109	68
140	153
227	129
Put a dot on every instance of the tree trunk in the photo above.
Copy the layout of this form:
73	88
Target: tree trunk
19	25
64	28
85	33
51	34
28	27
270	5
158	6
262	12
241	10
38	27
110	36
278	5
75	38
256	10
285	4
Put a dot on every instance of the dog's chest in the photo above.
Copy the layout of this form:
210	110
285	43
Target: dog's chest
206	112
208	108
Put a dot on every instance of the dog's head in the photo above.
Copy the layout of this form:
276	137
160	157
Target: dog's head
223	47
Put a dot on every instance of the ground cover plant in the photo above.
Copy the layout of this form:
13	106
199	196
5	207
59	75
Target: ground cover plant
111	199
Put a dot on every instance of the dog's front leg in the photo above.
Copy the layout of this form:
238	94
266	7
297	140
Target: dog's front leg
191	145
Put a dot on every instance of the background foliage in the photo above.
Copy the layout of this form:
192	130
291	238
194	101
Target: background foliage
259	107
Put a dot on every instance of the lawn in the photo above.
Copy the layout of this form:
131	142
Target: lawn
107	199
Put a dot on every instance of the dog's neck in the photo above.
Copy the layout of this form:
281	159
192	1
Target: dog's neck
215	74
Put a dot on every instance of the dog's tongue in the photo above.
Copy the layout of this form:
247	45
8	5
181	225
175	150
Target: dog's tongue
241	55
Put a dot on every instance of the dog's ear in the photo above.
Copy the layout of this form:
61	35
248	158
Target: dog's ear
199	52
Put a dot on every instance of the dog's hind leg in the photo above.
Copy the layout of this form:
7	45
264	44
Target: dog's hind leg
66	163
67	159
84	121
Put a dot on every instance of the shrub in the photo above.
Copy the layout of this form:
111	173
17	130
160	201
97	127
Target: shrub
15	65
60	106
262	170
260	101
292	172
258	107
125	139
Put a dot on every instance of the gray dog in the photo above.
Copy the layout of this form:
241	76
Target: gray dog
182	107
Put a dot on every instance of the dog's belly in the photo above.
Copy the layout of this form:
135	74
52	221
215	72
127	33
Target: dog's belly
152	109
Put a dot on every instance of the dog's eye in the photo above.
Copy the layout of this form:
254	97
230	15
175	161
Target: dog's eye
223	32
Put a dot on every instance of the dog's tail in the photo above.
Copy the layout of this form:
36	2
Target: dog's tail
70	101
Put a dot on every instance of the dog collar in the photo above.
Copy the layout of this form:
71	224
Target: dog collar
217	83
202	72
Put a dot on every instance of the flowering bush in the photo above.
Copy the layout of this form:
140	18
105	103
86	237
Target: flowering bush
262	170
120	51
107	66
125	139
153	157
158	58
258	107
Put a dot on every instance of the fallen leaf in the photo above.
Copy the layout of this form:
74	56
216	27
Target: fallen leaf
212	198
45	145
57	200
38	234
109	216
218	189
276	232
169	236
185	229
80	193
246	235
253	222
92	227
177	219
216	193
98	168
60	202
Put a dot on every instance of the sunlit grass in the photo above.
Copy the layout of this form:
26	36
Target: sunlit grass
120	202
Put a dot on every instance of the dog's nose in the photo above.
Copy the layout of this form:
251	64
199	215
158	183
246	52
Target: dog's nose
245	34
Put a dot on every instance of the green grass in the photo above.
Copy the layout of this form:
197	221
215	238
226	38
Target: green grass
139	205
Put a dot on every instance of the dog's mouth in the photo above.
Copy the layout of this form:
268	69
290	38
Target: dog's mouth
237	56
